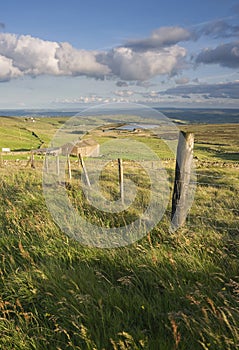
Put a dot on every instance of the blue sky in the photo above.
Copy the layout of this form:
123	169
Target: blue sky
165	53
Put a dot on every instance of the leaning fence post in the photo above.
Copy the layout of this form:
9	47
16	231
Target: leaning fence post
182	178
121	179
84	169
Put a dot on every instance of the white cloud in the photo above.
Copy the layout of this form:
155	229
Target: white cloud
34	56
79	62
130	65
26	55
8	71
30	55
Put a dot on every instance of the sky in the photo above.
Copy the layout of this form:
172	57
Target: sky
71	54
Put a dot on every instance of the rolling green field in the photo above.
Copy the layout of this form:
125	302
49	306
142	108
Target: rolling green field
20	134
167	291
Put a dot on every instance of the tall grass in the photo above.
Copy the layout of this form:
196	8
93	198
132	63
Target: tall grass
167	291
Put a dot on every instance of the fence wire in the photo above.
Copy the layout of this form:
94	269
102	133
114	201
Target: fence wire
215	202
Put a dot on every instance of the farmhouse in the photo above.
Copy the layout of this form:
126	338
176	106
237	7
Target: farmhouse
87	148
53	151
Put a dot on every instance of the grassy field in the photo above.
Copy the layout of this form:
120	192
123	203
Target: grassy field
167	291
20	134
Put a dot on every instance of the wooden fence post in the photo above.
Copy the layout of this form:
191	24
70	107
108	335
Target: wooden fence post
182	178
57	165
32	160
46	164
121	179
84	169
69	166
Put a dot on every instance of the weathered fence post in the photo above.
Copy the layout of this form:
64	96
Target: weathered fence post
57	165
121	179
32	160
46	164
182	178
69	166
84	169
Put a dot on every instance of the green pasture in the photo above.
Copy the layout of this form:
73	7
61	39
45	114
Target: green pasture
167	291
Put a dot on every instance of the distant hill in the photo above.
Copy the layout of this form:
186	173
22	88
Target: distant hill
205	116
179	115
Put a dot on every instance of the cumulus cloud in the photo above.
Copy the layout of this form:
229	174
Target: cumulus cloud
79	62
130	65
26	55
161	37
220	90
30	55
226	55
7	70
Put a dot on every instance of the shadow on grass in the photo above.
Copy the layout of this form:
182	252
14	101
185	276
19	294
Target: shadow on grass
22	150
164	292
229	156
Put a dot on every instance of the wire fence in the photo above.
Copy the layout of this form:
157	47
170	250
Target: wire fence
215	191
215	203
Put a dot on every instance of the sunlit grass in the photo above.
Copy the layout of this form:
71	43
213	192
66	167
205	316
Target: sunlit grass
167	291
177	290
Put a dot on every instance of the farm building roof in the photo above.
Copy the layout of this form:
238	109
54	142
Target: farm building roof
50	150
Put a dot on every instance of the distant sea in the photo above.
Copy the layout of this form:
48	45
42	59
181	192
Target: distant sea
197	115
37	113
